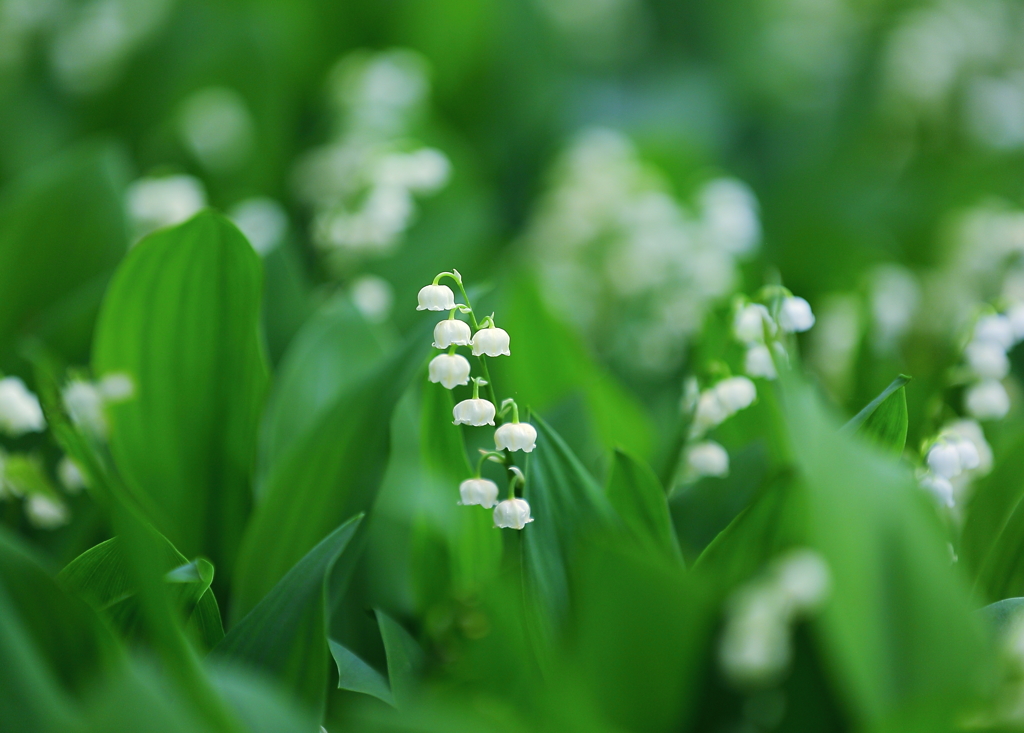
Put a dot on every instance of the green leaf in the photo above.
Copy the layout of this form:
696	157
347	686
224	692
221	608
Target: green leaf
285	635
639	499
101	576
181	318
405	659
330	473
884	420
61	228
356	675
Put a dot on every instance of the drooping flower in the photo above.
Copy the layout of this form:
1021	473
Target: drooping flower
939	487
451	332
45	513
435	298
449	370
758	362
20	412
709	412
750	323
70	475
996	329
512	513
736	393
987	359
795	315
987	400
804	578
966	450
944	459
84	404
476	411
707	458
515	436
478	491
490	341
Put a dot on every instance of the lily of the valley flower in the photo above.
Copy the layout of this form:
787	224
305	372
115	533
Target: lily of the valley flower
435	298
512	513
939	487
477	412
707	458
758	362
795	315
491	341
944	459
750	323
450	370
987	400
20	412
451	332
478	491
516	436
736	393
45	513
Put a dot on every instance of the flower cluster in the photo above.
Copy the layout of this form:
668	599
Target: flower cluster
86	402
451	369
957	455
756	647
985	355
20	412
759	329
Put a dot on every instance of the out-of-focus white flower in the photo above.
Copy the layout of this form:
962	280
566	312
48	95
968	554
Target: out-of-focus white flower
944	459
729	215
70	476
449	370
1015	315
451	332
707	458
804	578
46	513
709	412
116	387
795	315
512	513
970	430
939	487
217	128
966	450
154	203
755	647
262	220
987	359
736	393
490	341
987	400
373	297
474	411
895	297
479	491
20	412
996	329
750	323
758	362
423	171
515	436
84	404
435	298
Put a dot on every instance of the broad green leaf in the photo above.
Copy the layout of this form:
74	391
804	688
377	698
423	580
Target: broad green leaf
181	318
330	473
61	228
639	499
404	658
884	419
356	675
101	576
334	349
285	635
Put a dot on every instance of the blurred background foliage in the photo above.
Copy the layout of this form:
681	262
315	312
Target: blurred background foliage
607	175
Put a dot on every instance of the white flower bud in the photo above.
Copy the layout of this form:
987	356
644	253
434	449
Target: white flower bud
20	412
84	404
758	362
449	370
994	328
795	316
939	487
516	436
710	412
476	412
736	393
967	450
707	458
750	323
512	513
45	513
988	359
490	341
451	332
116	387
70	475
987	400
435	298
804	578
944	459
478	491
970	431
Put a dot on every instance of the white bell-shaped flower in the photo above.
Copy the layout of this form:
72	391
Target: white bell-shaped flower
450	370
707	458
944	459
20	412
478	491
84	404
795	315
512	513
491	342
46	513
939	487
750	323
970	431
451	332
70	475
995	328
968	451
987	400
804	577
476	411
987	359
758	362
709	412
516	436
736	393
435	298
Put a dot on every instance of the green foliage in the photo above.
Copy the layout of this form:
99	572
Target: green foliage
637	496
884	420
